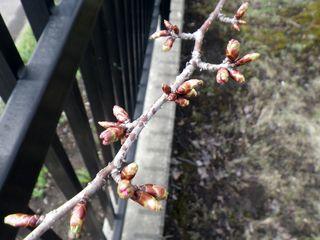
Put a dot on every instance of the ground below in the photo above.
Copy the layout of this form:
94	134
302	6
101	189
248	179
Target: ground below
245	162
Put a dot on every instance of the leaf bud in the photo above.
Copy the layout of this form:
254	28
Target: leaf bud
146	200
129	171
222	76
159	192
233	48
247	58
237	76
120	114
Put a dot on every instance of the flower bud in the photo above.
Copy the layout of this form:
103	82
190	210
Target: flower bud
146	200
22	220
111	135
77	219
159	192
222	76
176	29
129	171
237	76
182	102
247	58
161	33
167	24
242	10
172	97
167	45
120	114
166	88
233	48
236	26
106	124
186	87
191	94
125	189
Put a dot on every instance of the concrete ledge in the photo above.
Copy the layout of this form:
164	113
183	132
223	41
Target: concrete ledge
154	144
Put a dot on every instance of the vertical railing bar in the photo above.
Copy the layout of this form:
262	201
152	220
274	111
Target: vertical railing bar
120	30
38	15
74	108
129	42
60	168
135	41
137	10
109	34
76	115
9	50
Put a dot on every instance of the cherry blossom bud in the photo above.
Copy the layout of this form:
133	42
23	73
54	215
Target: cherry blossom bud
167	24
167	45
247	58
162	33
182	102
129	171
111	135
146	200
175	29
186	87
166	88
237	76
242	22
120	114
222	76
106	124
191	94
236	26
125	189
22	220
242	10
233	48
159	192
78	216
172	97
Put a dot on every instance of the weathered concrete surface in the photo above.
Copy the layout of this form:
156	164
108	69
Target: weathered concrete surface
154	144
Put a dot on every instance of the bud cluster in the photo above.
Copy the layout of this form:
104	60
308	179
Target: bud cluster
232	54
115	131
239	15
78	215
147	195
172	32
184	92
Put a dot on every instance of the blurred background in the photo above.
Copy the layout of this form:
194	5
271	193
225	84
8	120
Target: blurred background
253	149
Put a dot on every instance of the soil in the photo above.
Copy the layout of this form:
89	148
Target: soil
245	157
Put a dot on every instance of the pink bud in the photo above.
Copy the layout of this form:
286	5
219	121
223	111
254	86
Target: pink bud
112	134
186	87
77	219
159	192
233	48
237	76
191	94
161	33
172	96
222	76
182	102
22	220
242	10
120	114
125	189
146	200
166	88
167	45
129	171
106	124
247	58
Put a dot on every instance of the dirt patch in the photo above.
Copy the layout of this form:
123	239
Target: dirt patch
245	162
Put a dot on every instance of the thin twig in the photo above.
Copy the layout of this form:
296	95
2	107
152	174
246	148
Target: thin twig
113	167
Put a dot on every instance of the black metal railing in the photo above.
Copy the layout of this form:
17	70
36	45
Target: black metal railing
107	41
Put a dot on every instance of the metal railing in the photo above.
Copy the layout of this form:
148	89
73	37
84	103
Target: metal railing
107	41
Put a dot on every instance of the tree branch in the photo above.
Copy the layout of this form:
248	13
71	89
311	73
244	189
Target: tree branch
135	128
